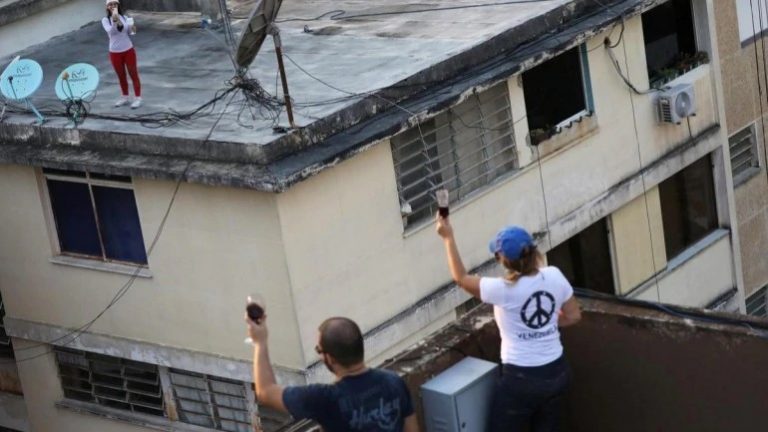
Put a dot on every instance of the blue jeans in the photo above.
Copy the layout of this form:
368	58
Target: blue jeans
529	395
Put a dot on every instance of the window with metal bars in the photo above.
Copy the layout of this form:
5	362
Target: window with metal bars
110	381
757	303
462	149
6	349
209	401
743	146
95	215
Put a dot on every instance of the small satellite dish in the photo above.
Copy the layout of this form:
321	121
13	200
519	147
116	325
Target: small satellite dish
5	101
20	80
261	23
77	82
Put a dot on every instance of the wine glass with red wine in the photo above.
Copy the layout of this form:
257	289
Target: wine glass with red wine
255	308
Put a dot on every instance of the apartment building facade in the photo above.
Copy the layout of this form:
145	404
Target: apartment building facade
560	135
741	28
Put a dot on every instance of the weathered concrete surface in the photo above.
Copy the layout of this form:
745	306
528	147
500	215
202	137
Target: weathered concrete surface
355	54
634	368
15	10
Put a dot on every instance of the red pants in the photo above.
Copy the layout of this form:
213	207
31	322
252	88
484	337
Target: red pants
122	61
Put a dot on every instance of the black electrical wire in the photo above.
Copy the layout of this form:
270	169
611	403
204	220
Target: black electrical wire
681	312
74	334
759	83
765	74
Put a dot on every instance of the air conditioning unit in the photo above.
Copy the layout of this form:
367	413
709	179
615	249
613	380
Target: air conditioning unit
676	103
459	399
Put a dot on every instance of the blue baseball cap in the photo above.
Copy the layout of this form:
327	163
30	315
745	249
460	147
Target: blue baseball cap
510	242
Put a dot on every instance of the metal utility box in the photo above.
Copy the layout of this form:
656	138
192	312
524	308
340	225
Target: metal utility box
459	399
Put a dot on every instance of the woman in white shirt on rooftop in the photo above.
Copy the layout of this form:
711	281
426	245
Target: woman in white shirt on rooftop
530	303
122	55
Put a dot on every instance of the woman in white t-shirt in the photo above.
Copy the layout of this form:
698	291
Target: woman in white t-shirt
530	303
122	55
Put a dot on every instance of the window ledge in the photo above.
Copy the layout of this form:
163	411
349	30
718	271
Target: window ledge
682	258
569	131
746	176
110	267
696	248
143	420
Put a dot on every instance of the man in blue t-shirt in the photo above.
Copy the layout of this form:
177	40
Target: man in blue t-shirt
361	399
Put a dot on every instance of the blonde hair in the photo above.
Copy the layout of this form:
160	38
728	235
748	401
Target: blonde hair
527	265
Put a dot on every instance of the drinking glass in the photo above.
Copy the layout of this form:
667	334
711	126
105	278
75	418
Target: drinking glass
442	201
129	21
255	308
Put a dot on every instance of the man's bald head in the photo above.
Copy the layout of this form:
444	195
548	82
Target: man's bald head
341	339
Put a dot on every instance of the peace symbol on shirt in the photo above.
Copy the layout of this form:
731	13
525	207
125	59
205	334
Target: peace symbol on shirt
538	309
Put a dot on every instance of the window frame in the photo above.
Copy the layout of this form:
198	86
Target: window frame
472	166
754	300
170	418
748	20
678	181
90	179
575	251
699	38
586	90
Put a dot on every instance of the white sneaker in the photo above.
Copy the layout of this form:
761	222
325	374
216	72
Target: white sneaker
136	103
122	101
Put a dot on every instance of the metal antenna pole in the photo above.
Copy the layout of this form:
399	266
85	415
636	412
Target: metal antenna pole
275	32
228	35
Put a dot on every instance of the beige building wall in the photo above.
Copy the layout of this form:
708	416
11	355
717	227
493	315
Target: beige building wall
638	241
348	253
694	282
44	25
740	64
218	245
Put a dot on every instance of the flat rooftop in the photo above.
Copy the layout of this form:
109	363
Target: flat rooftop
346	62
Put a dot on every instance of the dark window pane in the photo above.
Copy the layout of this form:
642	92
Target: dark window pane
669	36
688	208
120	227
585	259
75	223
554	90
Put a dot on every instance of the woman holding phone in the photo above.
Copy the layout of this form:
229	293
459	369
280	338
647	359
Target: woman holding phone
530	302
122	55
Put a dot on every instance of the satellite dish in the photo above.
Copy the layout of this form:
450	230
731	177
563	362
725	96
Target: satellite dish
20	80
261	23
5	104
77	82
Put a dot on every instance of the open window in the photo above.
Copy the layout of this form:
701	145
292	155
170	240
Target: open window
670	41
688	206
585	259
557	92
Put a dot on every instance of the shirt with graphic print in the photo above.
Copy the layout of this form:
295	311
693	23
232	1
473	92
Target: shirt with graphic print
374	401
526	314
